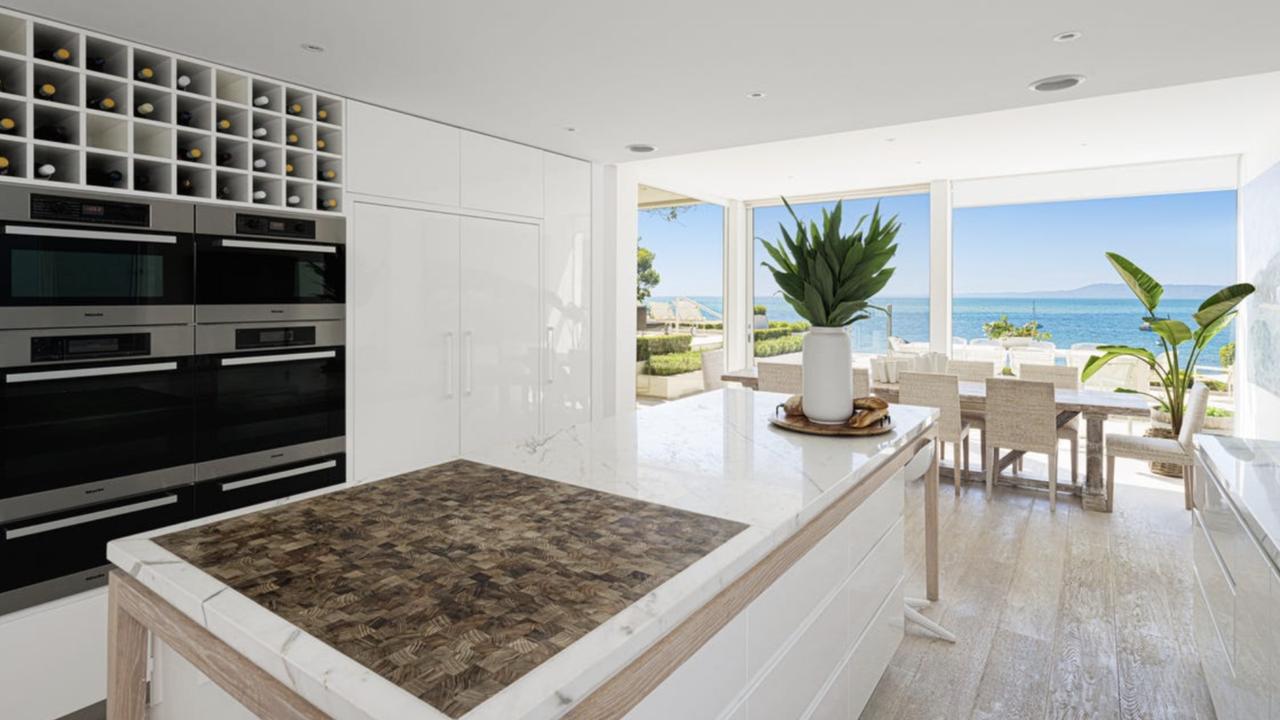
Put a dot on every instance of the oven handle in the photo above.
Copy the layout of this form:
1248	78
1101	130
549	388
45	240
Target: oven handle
287	247
291	472
89	372
287	357
73	234
65	523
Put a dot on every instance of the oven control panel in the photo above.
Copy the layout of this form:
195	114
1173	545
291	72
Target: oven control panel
281	227
79	210
89	347
278	337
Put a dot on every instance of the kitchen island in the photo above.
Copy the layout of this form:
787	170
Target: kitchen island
687	560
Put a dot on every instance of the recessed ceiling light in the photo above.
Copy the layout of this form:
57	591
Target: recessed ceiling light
641	148
1056	83
571	129
890	139
756	95
1068	36
312	47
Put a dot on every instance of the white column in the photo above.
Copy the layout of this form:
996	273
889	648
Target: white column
614	292
940	266
737	291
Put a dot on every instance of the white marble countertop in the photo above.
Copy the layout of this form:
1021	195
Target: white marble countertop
1249	471
713	453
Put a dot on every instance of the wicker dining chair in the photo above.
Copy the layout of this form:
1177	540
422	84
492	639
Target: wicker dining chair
1022	415
1180	451
780	377
861	382
1063	377
971	370
940	391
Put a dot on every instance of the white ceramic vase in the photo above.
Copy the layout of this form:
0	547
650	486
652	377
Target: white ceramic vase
828	375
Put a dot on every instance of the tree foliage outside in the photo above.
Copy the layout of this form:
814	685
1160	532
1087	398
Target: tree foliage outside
646	277
1002	328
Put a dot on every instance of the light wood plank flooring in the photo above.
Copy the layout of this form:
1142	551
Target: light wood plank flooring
1072	615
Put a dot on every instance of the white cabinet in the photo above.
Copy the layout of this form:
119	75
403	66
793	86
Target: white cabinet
53	658
501	332
404	304
566	289
500	176
400	156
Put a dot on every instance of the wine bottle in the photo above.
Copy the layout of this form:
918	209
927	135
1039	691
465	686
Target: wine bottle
144	109
261	101
259	163
7	124
47	90
185	117
52	133
224	158
292	138
321	144
141	181
259	195
329	203
145	73
106	104
4	165
58	55
322	114
98	64
295	108
293	200
329	175
224	193
46	170
186	186
98	176
183	81
192	154
224	125
288	168
259	132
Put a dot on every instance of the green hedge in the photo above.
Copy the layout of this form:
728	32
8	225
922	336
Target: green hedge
674	363
772	333
798	326
649	345
779	346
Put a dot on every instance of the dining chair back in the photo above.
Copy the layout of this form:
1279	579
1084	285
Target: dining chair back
712	369
1022	415
935	390
861	382
780	377
1193	416
972	370
1063	377
1028	354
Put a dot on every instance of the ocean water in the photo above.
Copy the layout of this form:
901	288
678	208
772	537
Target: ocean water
1067	320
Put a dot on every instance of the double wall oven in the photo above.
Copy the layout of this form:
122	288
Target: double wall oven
157	364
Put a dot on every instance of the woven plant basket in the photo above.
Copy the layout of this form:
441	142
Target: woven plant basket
1165	469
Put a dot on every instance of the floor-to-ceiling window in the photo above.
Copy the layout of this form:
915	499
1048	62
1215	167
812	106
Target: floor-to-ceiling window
907	294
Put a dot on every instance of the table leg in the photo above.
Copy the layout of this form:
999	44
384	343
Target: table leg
1095	491
126	660
931	528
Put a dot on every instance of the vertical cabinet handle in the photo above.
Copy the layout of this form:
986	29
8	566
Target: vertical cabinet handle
551	331
467	370
448	364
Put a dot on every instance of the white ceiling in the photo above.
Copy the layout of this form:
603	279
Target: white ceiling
675	73
1237	116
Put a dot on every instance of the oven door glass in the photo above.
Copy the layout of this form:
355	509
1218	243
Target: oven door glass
48	265
79	423
231	271
260	401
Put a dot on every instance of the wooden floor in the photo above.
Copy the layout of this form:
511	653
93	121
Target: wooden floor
1072	615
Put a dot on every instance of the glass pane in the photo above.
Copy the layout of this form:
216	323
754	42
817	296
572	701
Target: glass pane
52	274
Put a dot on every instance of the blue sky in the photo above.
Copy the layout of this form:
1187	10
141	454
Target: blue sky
1185	238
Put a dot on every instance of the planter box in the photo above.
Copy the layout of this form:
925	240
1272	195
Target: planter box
759	322
1212	425
669	387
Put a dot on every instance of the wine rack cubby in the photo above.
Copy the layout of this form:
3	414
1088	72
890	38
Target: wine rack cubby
58	76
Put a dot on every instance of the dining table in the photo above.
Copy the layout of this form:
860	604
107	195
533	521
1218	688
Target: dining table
1095	406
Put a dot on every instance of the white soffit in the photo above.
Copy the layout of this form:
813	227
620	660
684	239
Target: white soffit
1219	173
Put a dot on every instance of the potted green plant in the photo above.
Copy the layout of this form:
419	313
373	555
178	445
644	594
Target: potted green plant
759	317
829	279
1176	373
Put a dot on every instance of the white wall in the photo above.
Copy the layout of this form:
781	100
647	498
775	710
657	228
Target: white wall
1258	351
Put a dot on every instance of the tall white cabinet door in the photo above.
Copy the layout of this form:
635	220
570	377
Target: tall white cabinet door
404	307
566	292
395	155
501	333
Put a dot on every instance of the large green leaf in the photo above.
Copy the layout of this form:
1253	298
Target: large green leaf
1175	332
1111	352
1206	334
1221	302
1144	287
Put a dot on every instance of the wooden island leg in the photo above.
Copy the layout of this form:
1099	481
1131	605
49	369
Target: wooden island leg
126	659
1095	491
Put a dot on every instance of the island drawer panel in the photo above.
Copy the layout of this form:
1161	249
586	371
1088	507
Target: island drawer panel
706	683
874	650
785	604
1219	595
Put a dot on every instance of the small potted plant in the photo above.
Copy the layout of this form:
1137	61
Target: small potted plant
829	279
759	317
1175	371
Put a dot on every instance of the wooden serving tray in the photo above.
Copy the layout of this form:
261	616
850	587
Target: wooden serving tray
800	423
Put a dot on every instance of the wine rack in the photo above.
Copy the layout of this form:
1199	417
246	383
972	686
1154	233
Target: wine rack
261	141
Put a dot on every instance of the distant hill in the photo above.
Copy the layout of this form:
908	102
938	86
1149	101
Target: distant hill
1110	291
